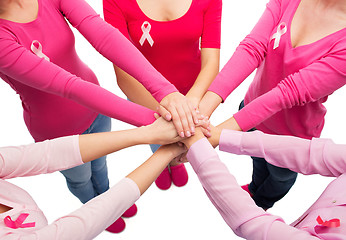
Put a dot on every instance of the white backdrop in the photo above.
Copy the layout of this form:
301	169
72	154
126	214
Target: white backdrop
179	213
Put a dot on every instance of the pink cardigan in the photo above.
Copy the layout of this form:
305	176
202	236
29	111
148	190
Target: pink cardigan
316	156
291	83
60	94
46	157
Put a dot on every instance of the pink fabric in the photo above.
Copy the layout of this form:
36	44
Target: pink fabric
317	156
291	84
50	156
47	88
176	49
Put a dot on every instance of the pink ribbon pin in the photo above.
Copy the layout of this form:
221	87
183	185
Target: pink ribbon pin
333	223
19	222
280	30
146	27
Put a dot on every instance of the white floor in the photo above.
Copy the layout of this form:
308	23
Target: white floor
179	213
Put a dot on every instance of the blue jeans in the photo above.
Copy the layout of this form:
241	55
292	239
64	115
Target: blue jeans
90	179
269	183
154	147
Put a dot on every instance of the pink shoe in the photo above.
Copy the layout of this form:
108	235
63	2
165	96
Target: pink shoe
130	212
164	181
179	175
117	227
246	189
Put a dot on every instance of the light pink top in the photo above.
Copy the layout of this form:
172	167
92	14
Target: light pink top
46	88
46	157
175	49
291	84
316	156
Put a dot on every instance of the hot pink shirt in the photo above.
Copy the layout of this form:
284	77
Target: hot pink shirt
316	156
175	51
46	157
53	92
291	84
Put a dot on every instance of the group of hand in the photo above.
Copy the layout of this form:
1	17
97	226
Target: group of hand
180	123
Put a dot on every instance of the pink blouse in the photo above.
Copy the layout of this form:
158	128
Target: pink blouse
38	59
291	83
172	47
316	156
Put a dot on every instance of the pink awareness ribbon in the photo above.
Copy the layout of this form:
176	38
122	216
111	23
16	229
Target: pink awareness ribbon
146	36
36	48
19	222
333	223
281	30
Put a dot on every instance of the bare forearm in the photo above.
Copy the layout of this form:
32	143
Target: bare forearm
134	90
146	174
93	146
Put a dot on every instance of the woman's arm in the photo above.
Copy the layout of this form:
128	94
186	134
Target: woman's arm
210	60
121	52
62	153
97	214
248	56
316	156
235	205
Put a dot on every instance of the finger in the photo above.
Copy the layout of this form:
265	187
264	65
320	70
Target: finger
164	113
194	112
206	132
183	118
156	115
177	123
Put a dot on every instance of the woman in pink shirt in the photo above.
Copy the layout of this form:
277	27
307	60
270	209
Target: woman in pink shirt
299	50
61	95
20	217
181	39
325	219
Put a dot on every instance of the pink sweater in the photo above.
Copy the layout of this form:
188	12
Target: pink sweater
175	51
291	84
316	156
53	91
46	157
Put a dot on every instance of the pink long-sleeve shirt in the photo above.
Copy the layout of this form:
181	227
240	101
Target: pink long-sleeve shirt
291	83
46	157
316	156
175	49
53	89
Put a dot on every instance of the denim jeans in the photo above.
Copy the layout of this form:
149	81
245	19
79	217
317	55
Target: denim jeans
90	179
269	183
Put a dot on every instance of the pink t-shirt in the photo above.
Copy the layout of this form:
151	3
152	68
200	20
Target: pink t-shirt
175	49
291	84
46	157
54	84
316	156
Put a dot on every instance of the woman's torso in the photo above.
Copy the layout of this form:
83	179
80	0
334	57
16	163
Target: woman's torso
173	46
304	121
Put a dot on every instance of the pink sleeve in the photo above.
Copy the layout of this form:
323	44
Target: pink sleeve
43	157
235	205
115	47
92	218
249	54
310	84
316	156
114	16
211	35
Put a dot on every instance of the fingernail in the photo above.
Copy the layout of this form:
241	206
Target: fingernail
167	116
188	134
182	134
208	128
192	129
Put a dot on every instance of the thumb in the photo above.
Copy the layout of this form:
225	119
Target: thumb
164	113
